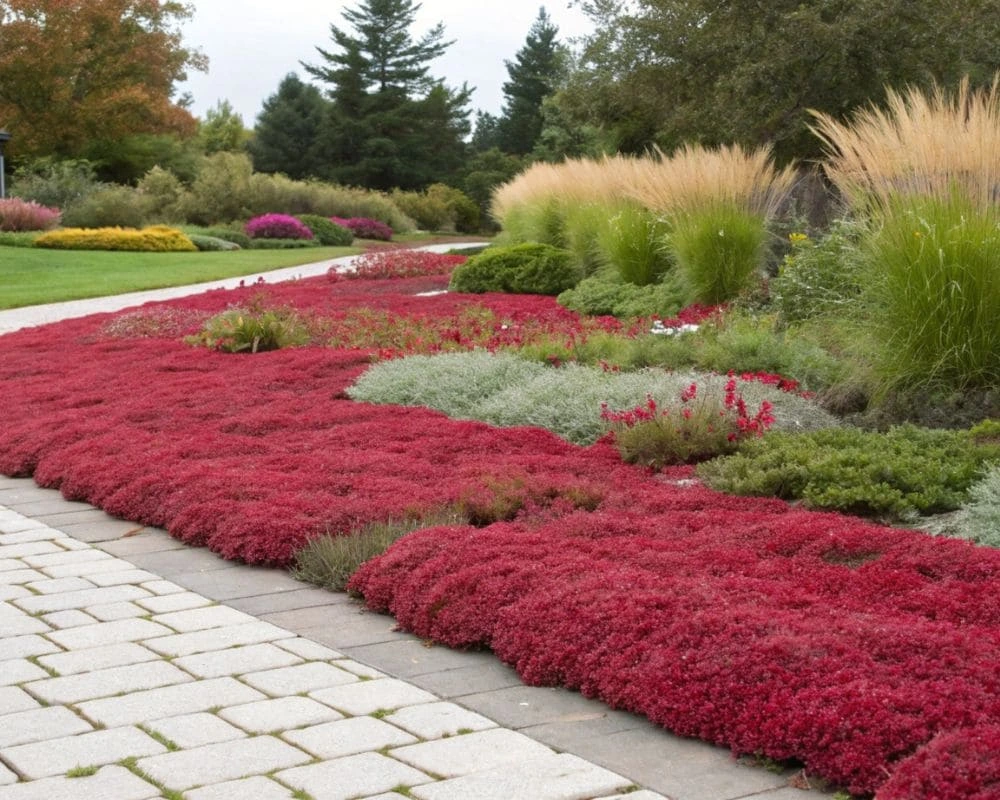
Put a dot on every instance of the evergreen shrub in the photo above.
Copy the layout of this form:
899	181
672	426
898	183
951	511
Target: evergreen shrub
326	231
158	238
520	269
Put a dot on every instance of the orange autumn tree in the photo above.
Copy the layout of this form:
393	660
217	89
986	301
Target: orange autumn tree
73	72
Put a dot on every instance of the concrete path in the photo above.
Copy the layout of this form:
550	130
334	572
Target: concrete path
134	667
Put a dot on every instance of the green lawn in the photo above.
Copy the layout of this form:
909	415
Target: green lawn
30	276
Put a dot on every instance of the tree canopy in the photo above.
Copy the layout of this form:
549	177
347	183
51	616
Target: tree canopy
391	124
748	71
75	76
289	130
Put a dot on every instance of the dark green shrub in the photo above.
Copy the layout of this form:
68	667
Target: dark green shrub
463	210
326	231
522	269
894	475
226	234
603	294
211	243
282	244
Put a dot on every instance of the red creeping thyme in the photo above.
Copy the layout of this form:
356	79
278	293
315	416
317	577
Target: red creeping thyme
404	263
867	653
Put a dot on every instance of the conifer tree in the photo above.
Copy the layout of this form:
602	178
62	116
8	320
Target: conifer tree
289	130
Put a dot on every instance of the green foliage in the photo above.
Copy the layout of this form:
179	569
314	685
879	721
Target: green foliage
220	192
733	82
120	206
463	210
719	251
162	195
431	213
54	183
327	232
602	295
819	277
584	224
330	560
390	124
282	244
484	171
534	74
19	238
520	269
980	518
211	243
634	241
906	471
241	330
931	284
288	134
507	390
158	238
237	237
222	129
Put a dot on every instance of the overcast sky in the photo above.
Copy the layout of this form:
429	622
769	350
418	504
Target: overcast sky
253	44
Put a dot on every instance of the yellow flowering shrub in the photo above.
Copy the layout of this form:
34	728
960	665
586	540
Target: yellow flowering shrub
157	238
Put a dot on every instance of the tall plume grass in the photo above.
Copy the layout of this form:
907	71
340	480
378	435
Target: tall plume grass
718	203
925	171
918	145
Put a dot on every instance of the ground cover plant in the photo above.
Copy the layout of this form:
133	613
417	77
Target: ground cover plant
744	621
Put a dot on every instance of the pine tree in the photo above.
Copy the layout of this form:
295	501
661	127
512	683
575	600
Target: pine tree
534	75
390	120
289	129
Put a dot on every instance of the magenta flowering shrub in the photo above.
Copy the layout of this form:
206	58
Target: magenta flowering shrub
277	226
23	215
365	228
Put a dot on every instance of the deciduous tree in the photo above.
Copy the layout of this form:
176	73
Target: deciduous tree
76	73
666	71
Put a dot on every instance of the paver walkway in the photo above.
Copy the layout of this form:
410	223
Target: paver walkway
133	667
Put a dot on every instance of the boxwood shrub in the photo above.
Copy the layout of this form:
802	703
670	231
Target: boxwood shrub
326	231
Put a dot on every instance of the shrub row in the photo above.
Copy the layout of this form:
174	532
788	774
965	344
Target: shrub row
158	238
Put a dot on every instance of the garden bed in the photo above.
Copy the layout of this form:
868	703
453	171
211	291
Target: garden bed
746	622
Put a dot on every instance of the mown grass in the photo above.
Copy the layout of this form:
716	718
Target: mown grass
29	276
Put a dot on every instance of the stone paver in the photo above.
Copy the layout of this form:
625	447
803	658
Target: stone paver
195	730
301	678
39	724
237	660
185	644
348	737
436	720
225	761
179	601
97	658
106	682
13	698
199	619
353	776
258	788
556	777
57	756
107	783
368	696
280	714
153	704
26	646
70	618
472	752
79	599
124	630
19	670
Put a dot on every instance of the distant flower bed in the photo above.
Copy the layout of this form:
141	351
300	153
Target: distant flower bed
385	264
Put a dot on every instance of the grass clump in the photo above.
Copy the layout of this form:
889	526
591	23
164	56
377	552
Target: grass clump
240	330
330	560
633	240
896	475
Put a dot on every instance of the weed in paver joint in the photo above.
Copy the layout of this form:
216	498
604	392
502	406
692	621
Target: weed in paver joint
132	765
301	794
82	772
463	731
34	660
379	713
168	743
403	790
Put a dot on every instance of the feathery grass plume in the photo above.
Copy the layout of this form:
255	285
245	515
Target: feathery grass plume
718	203
926	168
918	145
